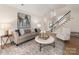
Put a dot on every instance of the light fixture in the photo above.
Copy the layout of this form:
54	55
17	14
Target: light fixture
38	25
22	4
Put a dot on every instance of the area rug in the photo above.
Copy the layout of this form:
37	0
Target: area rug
32	48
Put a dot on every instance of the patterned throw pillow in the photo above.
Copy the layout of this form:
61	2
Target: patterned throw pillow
27	31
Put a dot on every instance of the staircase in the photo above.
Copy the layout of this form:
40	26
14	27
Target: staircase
60	22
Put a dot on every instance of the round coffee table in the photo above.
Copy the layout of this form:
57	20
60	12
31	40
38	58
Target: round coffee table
41	41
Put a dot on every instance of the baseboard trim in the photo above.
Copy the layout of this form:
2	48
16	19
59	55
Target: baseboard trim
75	34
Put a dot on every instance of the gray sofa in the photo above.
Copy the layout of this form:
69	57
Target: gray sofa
25	37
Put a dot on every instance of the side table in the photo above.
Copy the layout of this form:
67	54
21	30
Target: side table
8	36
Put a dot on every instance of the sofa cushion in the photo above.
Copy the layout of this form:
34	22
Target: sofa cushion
28	35
27	31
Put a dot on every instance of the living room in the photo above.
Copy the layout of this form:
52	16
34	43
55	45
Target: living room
26	28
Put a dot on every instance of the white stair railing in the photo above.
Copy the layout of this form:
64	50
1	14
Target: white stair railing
63	20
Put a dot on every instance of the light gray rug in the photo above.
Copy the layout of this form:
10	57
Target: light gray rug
32	48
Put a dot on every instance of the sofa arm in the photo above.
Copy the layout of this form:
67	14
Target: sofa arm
15	37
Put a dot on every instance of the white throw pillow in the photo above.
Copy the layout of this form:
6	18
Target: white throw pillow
22	31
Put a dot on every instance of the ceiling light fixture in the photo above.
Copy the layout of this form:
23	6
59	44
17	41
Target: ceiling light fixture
22	4
38	25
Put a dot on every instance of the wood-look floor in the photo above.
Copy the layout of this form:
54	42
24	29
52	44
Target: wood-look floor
72	46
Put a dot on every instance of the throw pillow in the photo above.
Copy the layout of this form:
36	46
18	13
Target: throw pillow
18	32
22	31
37	30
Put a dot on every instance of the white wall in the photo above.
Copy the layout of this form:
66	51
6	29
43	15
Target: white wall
34	19
8	15
74	23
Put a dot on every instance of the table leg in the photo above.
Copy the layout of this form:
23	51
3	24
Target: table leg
6	41
1	44
11	41
54	44
40	48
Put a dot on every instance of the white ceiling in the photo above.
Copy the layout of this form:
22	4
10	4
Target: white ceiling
38	9
42	9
